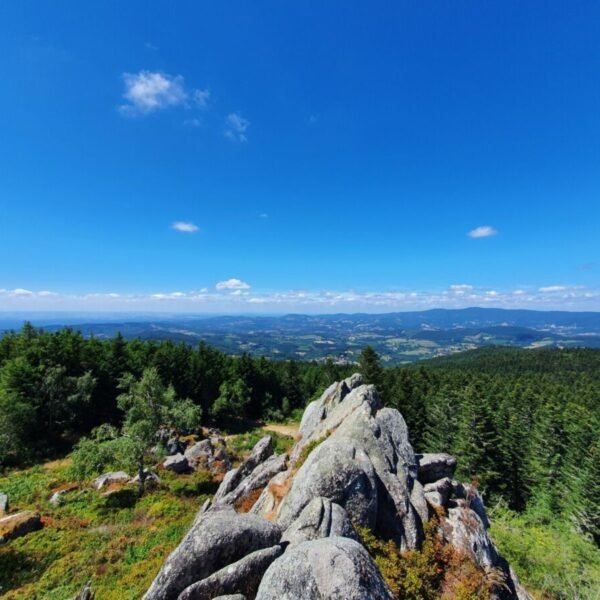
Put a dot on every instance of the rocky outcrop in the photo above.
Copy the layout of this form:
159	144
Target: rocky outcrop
335	568
19	524
253	474
352	466
217	539
108	479
318	410
365	464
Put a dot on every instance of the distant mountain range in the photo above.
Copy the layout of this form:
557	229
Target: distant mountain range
397	337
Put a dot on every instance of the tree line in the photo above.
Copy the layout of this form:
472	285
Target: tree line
524	424
56	387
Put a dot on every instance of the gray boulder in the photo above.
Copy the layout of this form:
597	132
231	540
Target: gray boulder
261	451
363	399
438	492
231	597
18	525
320	518
175	446
241	576
384	438
254	481
318	410
340	471
435	466
217	538
4	506
109	479
57	496
177	463
467	496
150	478
334	568
465	531
419	501
199	454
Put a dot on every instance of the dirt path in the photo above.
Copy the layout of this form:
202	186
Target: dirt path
290	429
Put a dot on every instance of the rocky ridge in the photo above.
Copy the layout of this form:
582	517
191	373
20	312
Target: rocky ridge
297	538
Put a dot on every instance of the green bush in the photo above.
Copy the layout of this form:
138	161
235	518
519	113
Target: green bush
124	498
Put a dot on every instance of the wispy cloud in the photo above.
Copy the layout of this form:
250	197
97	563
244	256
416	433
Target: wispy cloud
482	231
263	216
550	289
184	227
232	284
236	127
201	98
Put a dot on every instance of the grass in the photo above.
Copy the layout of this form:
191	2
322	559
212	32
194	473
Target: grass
118	542
550	558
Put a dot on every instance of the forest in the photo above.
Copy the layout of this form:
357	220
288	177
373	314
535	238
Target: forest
525	424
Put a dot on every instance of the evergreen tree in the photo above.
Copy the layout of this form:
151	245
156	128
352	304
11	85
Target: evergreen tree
370	367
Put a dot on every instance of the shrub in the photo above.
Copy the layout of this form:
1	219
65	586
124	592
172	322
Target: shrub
124	498
435	571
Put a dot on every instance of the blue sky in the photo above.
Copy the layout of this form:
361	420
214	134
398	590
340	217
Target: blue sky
299	156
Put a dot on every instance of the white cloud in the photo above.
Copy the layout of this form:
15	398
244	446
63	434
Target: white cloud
482	231
236	127
552	288
461	287
184	227
233	296
149	91
232	284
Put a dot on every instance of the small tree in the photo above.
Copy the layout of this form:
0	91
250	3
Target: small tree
234	397
370	367
148	405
